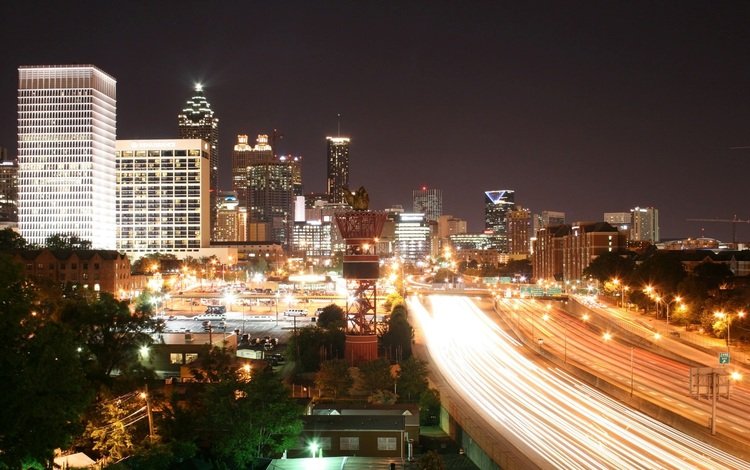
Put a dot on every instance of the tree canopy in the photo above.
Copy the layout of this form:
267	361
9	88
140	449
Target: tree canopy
43	391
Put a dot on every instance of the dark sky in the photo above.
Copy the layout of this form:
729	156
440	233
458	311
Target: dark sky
582	107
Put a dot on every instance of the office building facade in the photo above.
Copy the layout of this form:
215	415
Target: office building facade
412	237
337	167
163	196
270	201
243	156
519	231
8	193
67	118
497	204
197	121
428	201
231	219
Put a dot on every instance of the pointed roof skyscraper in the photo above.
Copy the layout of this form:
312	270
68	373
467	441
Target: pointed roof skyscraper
197	121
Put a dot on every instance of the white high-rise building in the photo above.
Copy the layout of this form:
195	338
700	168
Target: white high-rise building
645	224
67	116
163	196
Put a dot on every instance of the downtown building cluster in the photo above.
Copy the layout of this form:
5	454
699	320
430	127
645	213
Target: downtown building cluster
162	195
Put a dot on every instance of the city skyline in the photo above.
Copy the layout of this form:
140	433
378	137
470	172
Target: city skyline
614	107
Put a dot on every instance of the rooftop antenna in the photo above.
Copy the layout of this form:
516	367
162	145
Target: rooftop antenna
338	124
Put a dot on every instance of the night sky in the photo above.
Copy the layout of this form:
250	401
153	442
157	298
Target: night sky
581	107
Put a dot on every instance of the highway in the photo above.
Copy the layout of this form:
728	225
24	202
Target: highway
656	378
556	420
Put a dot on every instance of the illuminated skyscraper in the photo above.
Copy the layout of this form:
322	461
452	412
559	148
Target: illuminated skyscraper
67	116
197	121
270	200
428	201
338	167
162	196
243	156
497	204
645	224
519	231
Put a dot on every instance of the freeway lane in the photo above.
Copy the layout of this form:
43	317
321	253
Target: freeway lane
658	379
563	422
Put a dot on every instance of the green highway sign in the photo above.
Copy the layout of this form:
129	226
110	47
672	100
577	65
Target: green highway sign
724	358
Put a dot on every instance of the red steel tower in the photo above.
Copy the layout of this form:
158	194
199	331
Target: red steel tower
361	270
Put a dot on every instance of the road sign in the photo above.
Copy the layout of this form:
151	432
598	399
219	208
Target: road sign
724	358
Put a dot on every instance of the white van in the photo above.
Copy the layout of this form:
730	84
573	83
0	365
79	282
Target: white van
295	312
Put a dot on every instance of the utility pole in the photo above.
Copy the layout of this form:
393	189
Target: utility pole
150	416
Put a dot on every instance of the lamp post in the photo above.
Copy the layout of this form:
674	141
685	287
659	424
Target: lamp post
728	318
276	303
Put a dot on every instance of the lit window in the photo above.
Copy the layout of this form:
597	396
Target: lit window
349	443
175	358
386	443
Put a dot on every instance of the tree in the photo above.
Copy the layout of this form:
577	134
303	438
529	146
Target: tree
110	336
12	240
429	407
311	345
663	270
610	265
396	341
69	241
332	317
112	433
241	421
412	379
376	375
334	378
394	299
42	387
431	461
382	397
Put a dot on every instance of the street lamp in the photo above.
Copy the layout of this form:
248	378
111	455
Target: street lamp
728	317
276	303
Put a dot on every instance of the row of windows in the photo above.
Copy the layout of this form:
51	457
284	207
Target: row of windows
159	153
163	163
56	92
64	266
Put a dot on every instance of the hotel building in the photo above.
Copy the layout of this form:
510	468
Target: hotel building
162	196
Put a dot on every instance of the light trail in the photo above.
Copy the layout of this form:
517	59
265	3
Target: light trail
561	420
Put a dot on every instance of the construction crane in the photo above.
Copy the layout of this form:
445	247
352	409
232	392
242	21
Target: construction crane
734	221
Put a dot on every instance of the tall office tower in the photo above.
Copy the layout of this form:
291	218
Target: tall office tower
67	117
162	196
338	167
296	162
270	188
243	156
8	191
428	201
231	219
519	231
197	121
645	224
497	204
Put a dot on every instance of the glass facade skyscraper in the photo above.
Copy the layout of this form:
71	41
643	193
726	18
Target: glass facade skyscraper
338	167
67	116
497	204
428	201
197	121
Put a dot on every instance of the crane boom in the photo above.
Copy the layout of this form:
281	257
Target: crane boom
734	221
